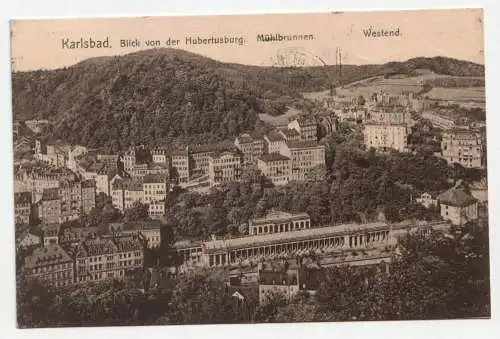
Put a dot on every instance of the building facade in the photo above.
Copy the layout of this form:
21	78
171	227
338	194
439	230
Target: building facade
305	156
307	127
457	206
277	222
386	136
50	264
224	167
100	259
275	167
251	148
22	207
465	147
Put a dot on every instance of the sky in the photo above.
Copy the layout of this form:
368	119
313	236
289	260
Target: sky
456	33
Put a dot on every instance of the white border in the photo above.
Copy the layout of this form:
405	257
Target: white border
102	8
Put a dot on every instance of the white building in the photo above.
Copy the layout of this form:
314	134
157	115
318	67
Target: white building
386	136
224	167
457	206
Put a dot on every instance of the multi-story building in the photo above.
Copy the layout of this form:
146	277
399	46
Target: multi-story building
141	170
50	264
465	147
99	259
156	209
290	134
305	155
277	222
389	115
155	188
180	165
386	136
22	207
27	239
457	206
427	200
274	141
50	234
129	160
251	148
224	167
438	120
149	232
125	192
306	126
275	167
50	206
77	198
159	156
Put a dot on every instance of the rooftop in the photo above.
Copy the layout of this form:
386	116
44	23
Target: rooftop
275	136
304	234
279	216
303	144
154	178
94	247
48	255
456	197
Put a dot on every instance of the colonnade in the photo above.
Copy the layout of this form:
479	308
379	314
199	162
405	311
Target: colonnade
228	256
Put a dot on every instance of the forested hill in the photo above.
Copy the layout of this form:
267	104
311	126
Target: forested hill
164	94
144	97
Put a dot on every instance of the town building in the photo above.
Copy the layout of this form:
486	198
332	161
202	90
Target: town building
290	134
457	206
99	259
427	200
50	264
180	164
251	147
148	232
50	234
277	222
27	239
160	156
274	141
49	208
439	121
224	167
141	170
465	147
384	137
36	125
156	209
155	187
129	160
22	207
73	236
126	192
275	167
77	198
479	190
389	115
306	126
305	155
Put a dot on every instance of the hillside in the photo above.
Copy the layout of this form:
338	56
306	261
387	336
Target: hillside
157	95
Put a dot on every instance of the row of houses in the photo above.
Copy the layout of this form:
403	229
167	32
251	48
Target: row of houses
68	201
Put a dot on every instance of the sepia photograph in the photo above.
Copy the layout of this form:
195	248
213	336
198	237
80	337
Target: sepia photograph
247	169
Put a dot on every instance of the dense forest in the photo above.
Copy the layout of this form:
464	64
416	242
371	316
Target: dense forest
436	277
157	95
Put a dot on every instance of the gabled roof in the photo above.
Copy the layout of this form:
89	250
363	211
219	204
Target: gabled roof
303	144
456	197
48	255
274	136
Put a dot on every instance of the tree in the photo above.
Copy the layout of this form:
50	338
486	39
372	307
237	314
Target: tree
137	212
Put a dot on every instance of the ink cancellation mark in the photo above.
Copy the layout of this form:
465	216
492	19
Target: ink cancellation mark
374	32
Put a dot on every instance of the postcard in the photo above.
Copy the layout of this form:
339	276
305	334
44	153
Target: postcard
250	168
